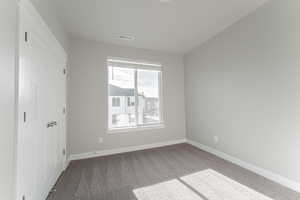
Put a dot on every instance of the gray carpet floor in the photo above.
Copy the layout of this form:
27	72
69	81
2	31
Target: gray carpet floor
178	172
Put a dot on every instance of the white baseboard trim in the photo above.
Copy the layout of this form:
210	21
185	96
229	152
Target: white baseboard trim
123	150
67	163
263	172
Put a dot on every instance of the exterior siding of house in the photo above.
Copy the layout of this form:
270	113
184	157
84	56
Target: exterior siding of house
125	108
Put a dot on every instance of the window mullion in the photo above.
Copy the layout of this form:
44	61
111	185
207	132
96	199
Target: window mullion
136	97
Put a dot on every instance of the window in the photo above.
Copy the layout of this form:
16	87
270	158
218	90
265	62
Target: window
130	102
116	102
134	92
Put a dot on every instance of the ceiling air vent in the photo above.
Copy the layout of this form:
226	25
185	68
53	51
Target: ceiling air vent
126	37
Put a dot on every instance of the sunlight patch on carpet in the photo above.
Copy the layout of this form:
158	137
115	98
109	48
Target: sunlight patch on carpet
169	190
215	186
203	185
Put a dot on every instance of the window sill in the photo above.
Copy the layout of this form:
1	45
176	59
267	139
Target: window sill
136	129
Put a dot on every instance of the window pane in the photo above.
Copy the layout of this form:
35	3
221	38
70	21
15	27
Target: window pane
121	97
115	101
148	96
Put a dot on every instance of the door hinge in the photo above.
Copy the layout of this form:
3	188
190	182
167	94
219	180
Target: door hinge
23	198
64	71
24	117
64	152
26	36
64	110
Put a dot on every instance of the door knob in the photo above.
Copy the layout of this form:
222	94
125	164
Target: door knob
51	124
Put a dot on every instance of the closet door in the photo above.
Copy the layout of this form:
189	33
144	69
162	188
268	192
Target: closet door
30	131
41	102
54	101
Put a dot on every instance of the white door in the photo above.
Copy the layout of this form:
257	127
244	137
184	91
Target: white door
41	120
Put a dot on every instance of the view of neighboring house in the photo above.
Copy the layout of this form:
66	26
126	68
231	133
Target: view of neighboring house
122	104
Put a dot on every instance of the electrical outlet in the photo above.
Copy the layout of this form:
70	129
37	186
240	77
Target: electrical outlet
100	140
216	139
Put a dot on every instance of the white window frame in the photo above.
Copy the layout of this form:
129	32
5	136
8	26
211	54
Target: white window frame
128	63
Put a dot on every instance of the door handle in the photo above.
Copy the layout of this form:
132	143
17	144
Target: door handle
51	124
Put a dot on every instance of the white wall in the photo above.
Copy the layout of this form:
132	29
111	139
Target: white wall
87	116
8	21
47	10
244	87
